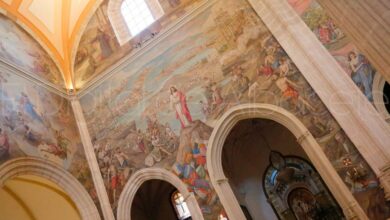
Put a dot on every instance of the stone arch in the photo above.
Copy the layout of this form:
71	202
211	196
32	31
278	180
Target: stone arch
118	23
139	177
313	150
53	172
377	91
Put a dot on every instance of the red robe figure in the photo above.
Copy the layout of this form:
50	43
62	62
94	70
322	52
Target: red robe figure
179	104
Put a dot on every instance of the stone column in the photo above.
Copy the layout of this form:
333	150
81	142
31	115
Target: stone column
92	161
358	118
367	23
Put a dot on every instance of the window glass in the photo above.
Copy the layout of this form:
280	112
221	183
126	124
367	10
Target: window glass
137	15
181	206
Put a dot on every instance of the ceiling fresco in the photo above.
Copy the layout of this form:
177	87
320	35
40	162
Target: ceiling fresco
56	25
76	34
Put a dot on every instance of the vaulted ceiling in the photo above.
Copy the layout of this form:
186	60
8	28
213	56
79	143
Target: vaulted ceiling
56	24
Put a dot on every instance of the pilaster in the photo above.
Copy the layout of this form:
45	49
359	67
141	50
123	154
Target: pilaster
92	161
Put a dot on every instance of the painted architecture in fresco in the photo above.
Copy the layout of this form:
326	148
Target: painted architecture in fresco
160	109
17	47
338	44
37	123
98	43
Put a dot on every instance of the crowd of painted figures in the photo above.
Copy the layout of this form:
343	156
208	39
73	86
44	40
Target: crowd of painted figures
233	60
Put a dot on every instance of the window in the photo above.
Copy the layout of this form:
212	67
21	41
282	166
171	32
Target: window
137	15
381	96
386	96
183	213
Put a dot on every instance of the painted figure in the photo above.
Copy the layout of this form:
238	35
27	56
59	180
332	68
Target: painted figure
104	43
362	73
31	136
286	86
62	141
216	96
4	145
324	33
179	104
28	108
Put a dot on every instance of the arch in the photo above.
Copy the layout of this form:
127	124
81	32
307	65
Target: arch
139	177
225	124
53	172
118	23
377	92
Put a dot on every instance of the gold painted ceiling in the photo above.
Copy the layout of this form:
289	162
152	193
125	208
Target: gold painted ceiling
56	25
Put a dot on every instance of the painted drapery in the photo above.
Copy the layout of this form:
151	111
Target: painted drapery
224	57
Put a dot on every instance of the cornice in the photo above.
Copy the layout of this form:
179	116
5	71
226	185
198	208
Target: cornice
7	67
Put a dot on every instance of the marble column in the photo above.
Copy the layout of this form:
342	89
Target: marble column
92	161
367	23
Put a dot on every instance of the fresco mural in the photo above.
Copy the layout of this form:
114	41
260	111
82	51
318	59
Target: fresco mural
37	123
98	43
20	49
338	44
160	110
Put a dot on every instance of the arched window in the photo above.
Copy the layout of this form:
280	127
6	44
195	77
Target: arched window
381	96
183	213
386	96
137	15
130	17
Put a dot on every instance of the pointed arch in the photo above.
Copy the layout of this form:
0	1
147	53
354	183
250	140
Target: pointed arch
313	150
141	176
51	171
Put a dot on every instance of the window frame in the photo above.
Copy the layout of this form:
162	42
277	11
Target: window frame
118	23
187	214
137	15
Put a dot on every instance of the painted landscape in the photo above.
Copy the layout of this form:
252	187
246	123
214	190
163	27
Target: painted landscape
160	110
